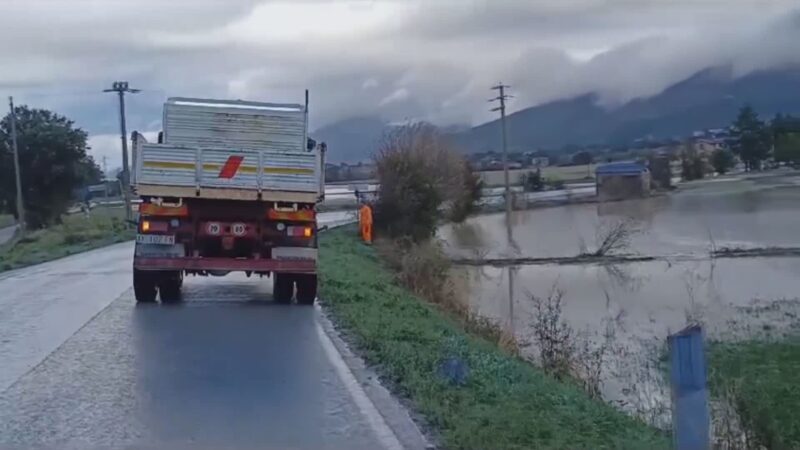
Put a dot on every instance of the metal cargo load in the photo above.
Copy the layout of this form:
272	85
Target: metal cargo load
238	150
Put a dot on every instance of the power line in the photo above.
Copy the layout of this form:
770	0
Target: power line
121	87
17	175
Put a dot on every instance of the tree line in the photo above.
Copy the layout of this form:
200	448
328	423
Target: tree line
754	141
53	162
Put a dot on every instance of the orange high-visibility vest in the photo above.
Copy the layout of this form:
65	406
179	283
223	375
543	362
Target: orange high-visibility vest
365	220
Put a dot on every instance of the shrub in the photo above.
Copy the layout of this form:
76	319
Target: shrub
422	179
555	183
722	160
532	181
692	164
466	201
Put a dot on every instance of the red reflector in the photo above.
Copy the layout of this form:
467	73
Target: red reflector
227	242
149	209
299	231
303	215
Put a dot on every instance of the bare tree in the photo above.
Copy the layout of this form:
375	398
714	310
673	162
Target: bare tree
614	238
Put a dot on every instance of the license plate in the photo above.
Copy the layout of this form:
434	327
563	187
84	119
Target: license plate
158	239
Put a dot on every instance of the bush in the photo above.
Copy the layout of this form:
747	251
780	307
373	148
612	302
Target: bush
422	179
466	201
722	160
760	380
424	269
532	181
555	183
692	165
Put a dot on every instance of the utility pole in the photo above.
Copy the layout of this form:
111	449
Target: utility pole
502	97
17	175
105	175
121	87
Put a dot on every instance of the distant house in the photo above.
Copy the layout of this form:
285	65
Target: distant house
622	180
540	161
707	146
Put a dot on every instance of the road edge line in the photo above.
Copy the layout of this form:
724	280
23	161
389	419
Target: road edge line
355	379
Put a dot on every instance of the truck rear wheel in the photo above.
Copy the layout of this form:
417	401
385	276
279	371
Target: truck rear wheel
169	286
144	286
282	288
306	288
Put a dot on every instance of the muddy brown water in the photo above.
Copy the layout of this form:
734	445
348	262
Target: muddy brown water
734	298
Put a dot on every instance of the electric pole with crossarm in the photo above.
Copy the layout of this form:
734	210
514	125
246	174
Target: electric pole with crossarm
502	108
121	87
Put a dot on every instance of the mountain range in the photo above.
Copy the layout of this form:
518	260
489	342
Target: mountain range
708	99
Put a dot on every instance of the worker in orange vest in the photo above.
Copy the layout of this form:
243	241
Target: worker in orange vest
365	220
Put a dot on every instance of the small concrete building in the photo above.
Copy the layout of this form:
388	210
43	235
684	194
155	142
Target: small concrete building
622	180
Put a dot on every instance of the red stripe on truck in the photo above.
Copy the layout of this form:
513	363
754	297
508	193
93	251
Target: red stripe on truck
231	166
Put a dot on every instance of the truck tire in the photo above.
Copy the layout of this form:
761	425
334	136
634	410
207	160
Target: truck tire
306	288
282	288
144	286
169	286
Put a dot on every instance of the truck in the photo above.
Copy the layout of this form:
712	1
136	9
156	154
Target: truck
229	186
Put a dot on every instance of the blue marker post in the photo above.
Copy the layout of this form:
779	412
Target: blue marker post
690	417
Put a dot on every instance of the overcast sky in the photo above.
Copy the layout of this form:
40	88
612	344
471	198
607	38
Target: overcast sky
432	59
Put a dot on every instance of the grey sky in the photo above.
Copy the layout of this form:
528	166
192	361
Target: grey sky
431	59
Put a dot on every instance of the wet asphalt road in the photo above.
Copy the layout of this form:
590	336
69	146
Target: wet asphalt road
6	234
84	367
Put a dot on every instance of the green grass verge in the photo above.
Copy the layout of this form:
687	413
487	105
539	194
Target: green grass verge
763	377
505	402
76	234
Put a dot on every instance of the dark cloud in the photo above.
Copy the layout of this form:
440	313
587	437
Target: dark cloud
394	59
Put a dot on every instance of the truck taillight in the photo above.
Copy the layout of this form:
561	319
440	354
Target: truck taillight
300	231
163	210
148	226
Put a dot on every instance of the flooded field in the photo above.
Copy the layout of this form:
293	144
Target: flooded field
645	301
729	212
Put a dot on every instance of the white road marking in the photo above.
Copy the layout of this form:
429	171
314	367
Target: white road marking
382	431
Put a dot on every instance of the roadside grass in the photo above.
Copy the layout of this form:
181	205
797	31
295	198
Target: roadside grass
492	399
6	220
762	379
76	234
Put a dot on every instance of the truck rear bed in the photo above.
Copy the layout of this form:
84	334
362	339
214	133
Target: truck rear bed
236	150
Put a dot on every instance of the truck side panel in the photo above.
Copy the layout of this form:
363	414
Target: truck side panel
257	170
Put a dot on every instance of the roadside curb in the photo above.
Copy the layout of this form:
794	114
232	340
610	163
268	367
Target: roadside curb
396	417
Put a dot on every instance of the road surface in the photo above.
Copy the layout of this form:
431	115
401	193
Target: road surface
84	367
7	233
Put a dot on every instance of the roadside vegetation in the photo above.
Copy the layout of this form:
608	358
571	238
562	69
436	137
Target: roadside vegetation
471	392
403	308
54	167
422	180
758	379
54	164
76	233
